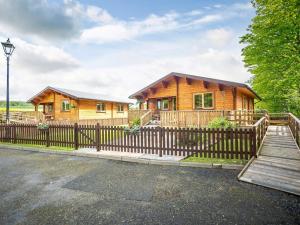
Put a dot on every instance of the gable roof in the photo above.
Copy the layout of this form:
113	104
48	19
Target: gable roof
77	95
194	77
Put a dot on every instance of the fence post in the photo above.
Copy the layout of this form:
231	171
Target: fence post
47	137
15	134
254	147
160	141
76	145
97	133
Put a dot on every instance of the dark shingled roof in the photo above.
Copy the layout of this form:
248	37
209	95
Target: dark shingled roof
78	95
211	80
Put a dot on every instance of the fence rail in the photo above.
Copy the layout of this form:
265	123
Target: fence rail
146	118
278	118
237	143
294	124
201	118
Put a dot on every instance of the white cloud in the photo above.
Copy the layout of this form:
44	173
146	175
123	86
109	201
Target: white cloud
207	19
121	30
87	12
42	58
219	37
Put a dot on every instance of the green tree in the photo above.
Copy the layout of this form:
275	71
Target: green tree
272	54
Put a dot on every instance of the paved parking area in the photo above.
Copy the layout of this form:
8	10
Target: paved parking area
41	188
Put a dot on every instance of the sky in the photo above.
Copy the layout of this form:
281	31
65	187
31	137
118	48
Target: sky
116	47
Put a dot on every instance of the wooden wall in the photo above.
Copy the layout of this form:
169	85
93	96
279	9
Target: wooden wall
223	100
82	109
87	110
71	115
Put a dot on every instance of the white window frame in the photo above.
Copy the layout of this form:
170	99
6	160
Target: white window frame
202	94
102	109
120	106
63	105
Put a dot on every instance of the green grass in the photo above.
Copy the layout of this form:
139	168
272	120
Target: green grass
12	109
55	148
215	160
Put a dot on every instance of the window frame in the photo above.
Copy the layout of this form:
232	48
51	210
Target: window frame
162	104
64	104
118	108
50	106
202	96
245	103
103	110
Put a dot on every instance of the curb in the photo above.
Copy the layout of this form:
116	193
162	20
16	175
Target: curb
127	159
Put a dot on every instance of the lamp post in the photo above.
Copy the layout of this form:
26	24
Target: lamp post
8	50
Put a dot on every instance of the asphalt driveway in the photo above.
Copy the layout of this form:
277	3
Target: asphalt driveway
39	188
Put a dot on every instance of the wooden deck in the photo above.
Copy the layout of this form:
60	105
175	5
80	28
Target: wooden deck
278	164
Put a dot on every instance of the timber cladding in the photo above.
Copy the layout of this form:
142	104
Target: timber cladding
73	106
180	90
87	110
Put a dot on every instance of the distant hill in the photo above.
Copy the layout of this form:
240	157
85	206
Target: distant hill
17	105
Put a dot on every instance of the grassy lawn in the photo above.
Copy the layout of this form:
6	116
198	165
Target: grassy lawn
215	160
55	148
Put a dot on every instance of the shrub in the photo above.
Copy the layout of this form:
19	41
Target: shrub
134	130
221	122
136	122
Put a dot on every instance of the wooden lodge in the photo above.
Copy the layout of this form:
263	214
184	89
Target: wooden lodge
177	91
69	105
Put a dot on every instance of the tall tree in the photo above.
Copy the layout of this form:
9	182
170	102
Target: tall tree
272	54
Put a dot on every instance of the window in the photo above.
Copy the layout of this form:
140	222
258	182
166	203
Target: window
165	104
120	108
65	105
50	108
100	107
198	101
174	103
245	102
158	104
208	100
203	101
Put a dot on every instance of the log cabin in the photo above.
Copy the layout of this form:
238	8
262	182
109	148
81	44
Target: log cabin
178	91
69	105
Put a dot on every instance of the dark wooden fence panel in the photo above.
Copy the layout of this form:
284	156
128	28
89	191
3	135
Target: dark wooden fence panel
237	143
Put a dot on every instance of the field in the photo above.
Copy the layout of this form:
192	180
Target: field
17	109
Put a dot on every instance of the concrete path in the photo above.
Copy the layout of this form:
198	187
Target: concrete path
130	155
278	165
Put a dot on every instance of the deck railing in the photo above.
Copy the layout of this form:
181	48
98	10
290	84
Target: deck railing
294	124
278	118
260	129
146	118
201	118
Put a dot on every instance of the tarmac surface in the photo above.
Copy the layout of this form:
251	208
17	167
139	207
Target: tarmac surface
41	188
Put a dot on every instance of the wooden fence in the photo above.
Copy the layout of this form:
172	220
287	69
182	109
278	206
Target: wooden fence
201	118
23	116
238	143
101	122
294	124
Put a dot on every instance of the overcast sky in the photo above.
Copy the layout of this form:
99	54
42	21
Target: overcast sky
117	47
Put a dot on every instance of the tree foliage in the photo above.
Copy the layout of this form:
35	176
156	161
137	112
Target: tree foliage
272	54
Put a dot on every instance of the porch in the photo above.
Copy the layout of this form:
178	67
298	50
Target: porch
160	104
48	111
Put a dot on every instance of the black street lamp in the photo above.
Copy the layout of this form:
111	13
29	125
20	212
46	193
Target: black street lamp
8	51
